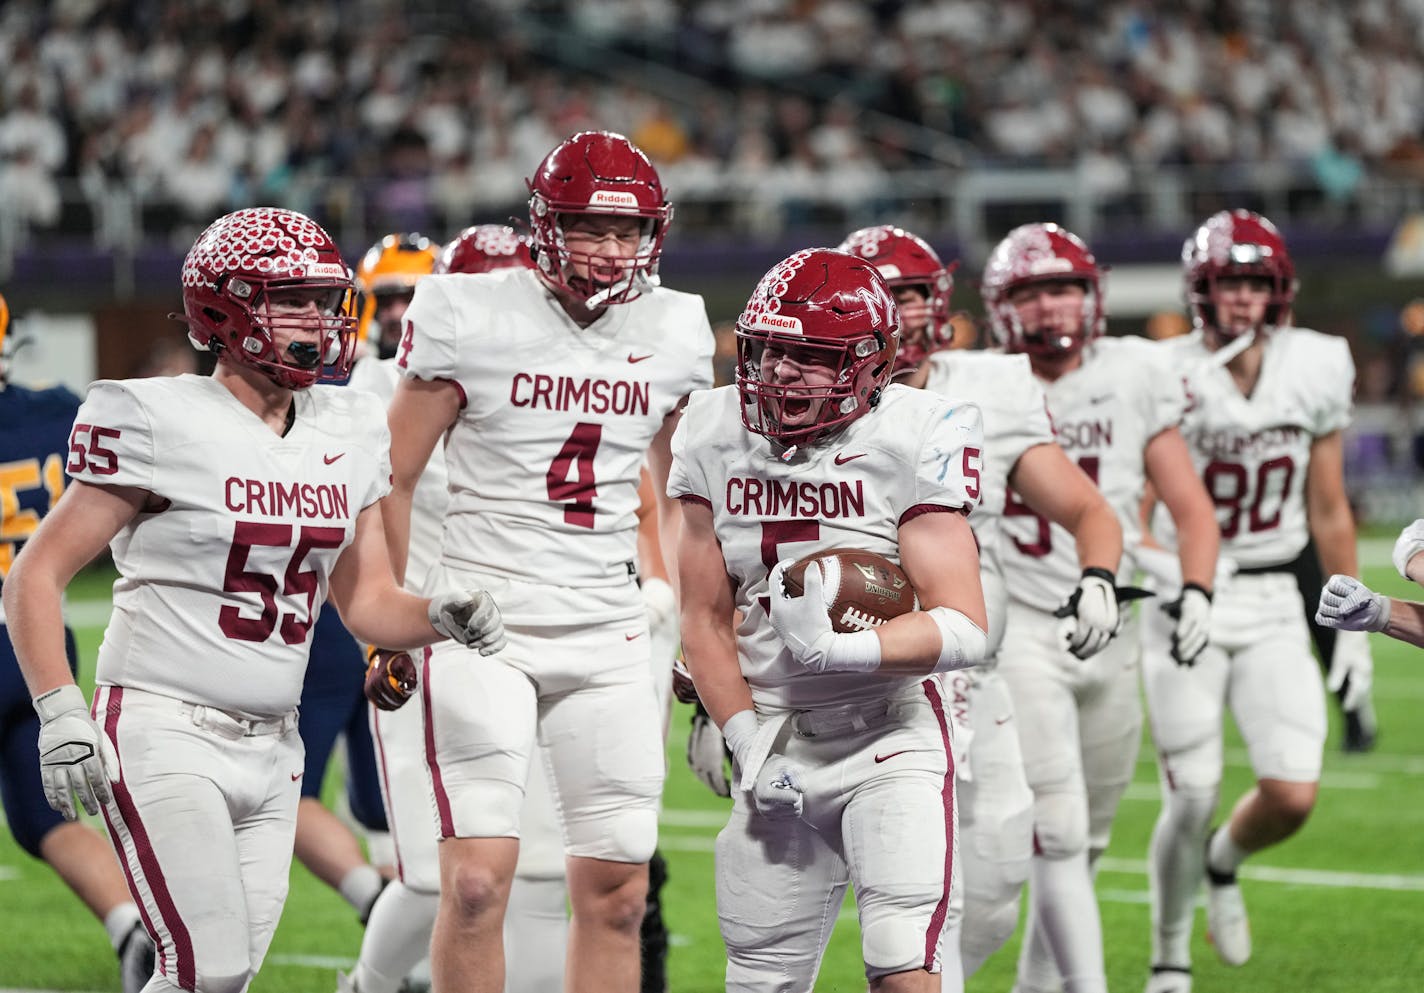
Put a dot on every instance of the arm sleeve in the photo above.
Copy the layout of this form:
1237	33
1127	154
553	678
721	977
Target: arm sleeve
949	463
112	441
428	344
1031	423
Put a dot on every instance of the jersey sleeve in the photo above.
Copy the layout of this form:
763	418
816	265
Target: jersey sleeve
427	347
706	347
1163	392
686	477
1029	423
1336	396
950	460
112	441
380	435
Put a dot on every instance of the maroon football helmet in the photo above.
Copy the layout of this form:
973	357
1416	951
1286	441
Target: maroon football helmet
237	262
485	248
1236	243
1038	253
906	259
597	172
822	308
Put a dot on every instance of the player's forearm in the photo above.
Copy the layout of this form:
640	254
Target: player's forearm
1098	537
1198	543
1406	621
909	645
34	620
392	618
395	518
710	650
1333	531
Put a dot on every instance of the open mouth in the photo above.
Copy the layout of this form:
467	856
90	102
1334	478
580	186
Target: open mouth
792	410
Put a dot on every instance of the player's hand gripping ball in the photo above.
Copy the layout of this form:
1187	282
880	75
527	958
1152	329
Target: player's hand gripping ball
862	590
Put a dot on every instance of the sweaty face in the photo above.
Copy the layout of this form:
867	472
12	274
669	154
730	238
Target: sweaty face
799	368
601	246
1241	303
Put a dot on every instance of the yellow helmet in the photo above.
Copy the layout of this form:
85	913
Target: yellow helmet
390	268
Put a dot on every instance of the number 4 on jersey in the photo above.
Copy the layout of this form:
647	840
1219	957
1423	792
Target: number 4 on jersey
570	477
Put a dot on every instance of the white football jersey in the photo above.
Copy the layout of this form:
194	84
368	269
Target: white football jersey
914	452
1254	452
1103	414
544	459
218	591
1015	415
431	497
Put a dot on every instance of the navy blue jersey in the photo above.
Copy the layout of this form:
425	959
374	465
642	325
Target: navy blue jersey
34	447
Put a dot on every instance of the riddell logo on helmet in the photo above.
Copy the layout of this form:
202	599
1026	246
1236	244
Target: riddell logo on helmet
612	198
333	269
1055	264
777	322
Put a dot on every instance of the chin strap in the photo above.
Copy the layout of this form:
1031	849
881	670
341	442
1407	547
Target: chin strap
1233	348
641	280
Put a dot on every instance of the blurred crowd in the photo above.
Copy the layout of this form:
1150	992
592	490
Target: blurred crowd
434	113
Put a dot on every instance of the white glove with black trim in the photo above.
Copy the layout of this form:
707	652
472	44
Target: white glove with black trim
1090	616
75	756
1192	612
707	753
469	617
1349	605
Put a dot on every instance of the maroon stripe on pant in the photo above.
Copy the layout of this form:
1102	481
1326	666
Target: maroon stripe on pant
947	793
375	721
442	799
180	941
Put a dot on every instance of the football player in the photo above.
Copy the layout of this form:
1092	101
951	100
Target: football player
397	935
385	284
1268	404
995	802
1115	409
34	446
332	704
234	504
841	744
551	386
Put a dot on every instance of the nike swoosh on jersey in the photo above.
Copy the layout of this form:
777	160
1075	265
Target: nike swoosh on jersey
632	637
639	358
843	459
328	459
296	776
886	758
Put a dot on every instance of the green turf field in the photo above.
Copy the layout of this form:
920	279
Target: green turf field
1338	909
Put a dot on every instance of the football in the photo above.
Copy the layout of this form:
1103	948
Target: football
863	590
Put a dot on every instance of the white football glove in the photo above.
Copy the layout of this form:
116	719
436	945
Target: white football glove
1192	612
804	623
780	790
707	754
469	617
1351	660
1090	616
75	756
1350	605
1409	544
